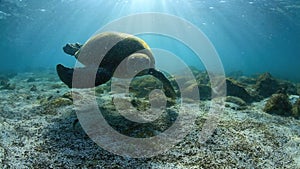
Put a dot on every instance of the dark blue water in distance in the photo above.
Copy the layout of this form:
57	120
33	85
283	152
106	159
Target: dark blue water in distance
252	36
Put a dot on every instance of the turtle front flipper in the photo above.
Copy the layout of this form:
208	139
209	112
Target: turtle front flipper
169	90
84	76
72	48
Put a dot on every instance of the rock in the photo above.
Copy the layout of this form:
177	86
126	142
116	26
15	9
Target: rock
235	100
247	80
298	88
157	99
68	95
59	102
11	75
140	104
50	107
31	79
190	90
288	87
296	109
266	85
237	90
235	74
293	98
235	103
194	70
57	86
134	129
8	86
142	86
33	88
279	104
203	90
3	81
203	78
104	88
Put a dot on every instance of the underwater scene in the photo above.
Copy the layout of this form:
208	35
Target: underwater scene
150	84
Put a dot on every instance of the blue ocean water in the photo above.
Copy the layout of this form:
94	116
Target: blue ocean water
252	36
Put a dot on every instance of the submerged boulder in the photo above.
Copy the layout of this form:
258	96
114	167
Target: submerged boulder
204	91
266	85
298	88
288	87
236	89
279	104
296	109
142	86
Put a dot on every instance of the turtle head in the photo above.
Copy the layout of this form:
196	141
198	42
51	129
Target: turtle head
137	62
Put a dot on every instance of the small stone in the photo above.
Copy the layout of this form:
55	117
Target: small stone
33	88
237	90
31	79
3	81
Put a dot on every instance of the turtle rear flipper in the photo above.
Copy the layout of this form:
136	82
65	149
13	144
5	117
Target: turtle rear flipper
65	74
84	76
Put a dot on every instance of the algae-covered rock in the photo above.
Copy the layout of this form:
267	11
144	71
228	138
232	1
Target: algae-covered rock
57	86
298	88
236	100
204	91
140	104
59	102
117	120
8	86
279	104
33	88
202	78
11	74
288	87
31	79
194	70
67	95
266	85
236	89
247	80
142	86
235	74
103	88
293	99
50	104
235	103
3	81
190	90
296	109
72	95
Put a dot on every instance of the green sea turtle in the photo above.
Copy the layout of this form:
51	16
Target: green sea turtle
120	55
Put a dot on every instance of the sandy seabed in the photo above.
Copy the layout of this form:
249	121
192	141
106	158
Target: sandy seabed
36	131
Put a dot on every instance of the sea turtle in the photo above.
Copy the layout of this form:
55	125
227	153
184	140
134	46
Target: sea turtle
119	54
